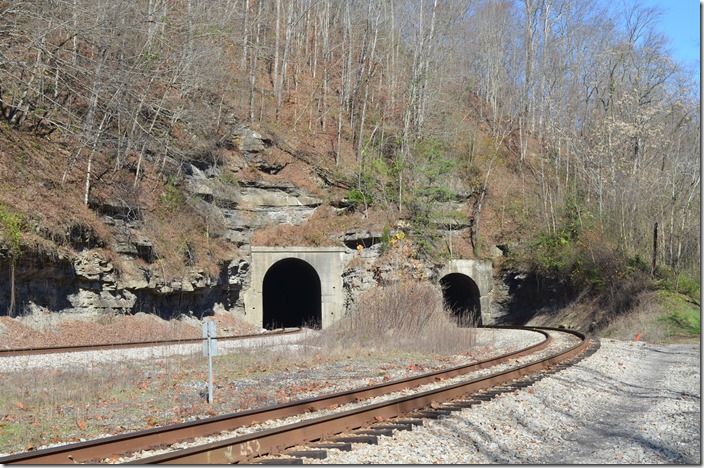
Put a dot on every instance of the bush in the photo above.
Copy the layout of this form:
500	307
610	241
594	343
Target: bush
405	315
681	283
689	287
11	224
357	198
172	197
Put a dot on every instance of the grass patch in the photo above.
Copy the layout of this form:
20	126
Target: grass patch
680	315
663	317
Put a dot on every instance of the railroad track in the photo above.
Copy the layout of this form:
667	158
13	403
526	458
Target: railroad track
249	448
134	344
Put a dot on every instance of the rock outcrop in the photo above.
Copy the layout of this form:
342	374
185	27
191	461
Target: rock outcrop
126	280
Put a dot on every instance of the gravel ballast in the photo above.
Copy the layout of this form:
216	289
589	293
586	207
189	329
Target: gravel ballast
628	403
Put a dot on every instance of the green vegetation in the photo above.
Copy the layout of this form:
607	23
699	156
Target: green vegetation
358	198
172	197
11	226
682	317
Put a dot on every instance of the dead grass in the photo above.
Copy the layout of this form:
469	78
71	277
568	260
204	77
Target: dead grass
641	321
406	315
47	406
649	319
42	328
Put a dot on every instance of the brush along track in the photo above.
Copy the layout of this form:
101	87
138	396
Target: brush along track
248	448
125	443
135	344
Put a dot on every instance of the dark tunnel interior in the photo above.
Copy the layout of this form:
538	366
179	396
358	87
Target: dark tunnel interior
291	295
461	295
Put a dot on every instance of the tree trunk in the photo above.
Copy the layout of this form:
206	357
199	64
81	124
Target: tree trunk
655	250
11	308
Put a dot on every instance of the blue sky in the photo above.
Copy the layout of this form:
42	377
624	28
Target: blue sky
681	22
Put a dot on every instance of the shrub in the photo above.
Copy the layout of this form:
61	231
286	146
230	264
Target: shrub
405	315
11	224
357	198
172	197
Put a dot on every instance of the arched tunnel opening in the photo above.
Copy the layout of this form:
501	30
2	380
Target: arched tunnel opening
291	295
461	296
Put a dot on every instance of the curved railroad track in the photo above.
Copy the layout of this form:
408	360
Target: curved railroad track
249	447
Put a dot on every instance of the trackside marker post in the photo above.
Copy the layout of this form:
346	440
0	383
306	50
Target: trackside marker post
210	349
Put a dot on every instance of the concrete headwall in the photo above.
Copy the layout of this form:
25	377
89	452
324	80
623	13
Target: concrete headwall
480	271
327	262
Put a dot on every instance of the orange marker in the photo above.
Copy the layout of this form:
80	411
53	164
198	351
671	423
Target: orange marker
638	336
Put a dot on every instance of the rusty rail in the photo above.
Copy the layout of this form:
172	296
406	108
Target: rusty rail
248	447
100	449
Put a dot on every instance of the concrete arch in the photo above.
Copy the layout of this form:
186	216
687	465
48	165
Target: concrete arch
291	295
469	284
325	262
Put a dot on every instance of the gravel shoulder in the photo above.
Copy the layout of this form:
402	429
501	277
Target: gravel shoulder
629	403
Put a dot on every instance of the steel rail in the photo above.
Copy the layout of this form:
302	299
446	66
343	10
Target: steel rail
246	448
131	344
106	447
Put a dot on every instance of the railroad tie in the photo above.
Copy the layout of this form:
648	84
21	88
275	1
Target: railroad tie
311	453
411	421
279	461
397	426
381	431
342	446
433	414
464	403
357	439
452	407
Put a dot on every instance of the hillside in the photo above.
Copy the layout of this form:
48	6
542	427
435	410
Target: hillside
143	153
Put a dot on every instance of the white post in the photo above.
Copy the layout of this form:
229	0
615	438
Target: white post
210	350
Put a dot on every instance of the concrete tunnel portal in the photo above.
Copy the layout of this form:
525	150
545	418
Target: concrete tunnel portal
303	286
461	295
291	295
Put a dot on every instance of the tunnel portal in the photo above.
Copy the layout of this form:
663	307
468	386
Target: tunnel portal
291	295
462	297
